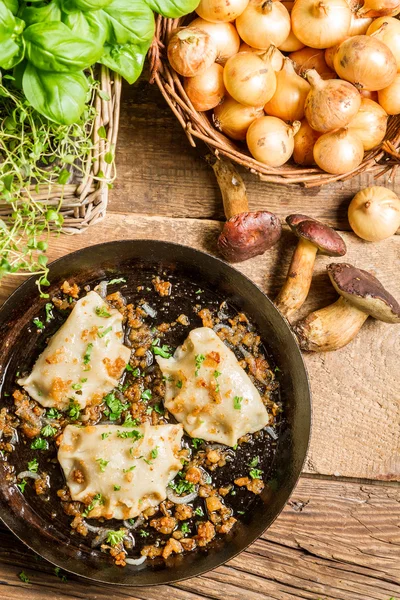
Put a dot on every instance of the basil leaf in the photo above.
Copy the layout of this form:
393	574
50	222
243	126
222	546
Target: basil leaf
11	44
12	5
87	25
84	5
126	60
51	46
40	12
173	8
61	97
129	22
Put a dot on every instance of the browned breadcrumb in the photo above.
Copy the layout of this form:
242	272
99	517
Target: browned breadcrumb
253	485
29	413
183	320
164	327
205	533
119	556
116	300
79	525
172	546
183	512
224	491
151	551
114	368
213	503
41	484
62	304
206	490
64	495
78	476
7	423
206	317
226	525
188	544
213	456
164	524
242	481
193	474
71	290
163	288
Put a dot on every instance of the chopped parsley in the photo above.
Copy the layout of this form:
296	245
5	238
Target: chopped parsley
198	359
129	470
159	409
33	465
154	452
129	369
181	486
53	413
76	386
48	431
185	528
117	488
130	421
235	447
256	473
199	512
115	537
146	460
216	375
49	312
102	464
254	461
74	410
199	291
22	485
144	533
197	442
39	324
103	333
60	575
277	370
118	280
179	383
149	410
164	351
40	444
105	435
134	434
237	402
240	512
23	577
115	406
136	372
87	355
146	395
101	311
97	499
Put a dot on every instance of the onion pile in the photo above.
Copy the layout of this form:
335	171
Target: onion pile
311	81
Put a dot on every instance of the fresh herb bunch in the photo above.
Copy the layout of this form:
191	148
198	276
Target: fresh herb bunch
49	45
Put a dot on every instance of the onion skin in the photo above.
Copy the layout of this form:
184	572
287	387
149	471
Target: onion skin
270	140
263	23
338	152
366	62
206	90
330	104
369	124
374	213
329	56
359	25
387	30
321	23
291	92
275	56
249	79
224	36
191	51
221	11
311	58
304	142
370	95
378	8
234	119
389	98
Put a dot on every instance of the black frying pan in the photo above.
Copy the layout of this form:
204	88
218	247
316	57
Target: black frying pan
138	261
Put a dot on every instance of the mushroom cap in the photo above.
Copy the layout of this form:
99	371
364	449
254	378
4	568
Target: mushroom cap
364	291
326	239
249	234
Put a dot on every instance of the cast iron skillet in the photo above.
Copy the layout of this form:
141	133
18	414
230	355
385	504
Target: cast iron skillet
138	261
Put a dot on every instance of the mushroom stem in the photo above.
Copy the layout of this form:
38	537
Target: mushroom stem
298	279
331	327
232	188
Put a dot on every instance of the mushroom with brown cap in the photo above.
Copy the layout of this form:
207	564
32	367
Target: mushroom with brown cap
314	237
361	296
245	234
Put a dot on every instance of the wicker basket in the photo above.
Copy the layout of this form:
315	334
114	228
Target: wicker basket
85	201
378	161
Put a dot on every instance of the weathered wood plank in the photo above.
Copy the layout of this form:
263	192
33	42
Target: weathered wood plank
160	173
333	541
356	390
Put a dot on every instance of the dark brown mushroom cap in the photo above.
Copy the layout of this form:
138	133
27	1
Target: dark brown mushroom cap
326	239
248	234
364	291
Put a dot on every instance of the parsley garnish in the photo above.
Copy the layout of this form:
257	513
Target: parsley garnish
102	464
115	537
146	395
97	499
129	368
105	435
276	370
48	431
49	312
103	333
240	512
199	512
76	386
254	461
198	359
237	402
181	486
179	383
164	351
129	421
216	375
23	577
33	465
185	528
134	434
116	407
118	280
199	291
196	442
136	372
53	413
130	469
86	356
39	444
74	410
22	485
144	533
159	409
149	410
146	460
39	324
256	473
117	488
154	452
101	311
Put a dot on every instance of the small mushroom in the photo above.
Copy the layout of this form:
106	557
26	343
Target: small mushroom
314	237
361	296
245	234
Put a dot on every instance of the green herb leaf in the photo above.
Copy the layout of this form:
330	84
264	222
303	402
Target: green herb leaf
197	442
237	402
97	499
129	369
198	359
74	410
115	281
33	465
102	464
101	311
146	395
179	384
49	312
39	324
144	533
129	470
256	473
254	461
53	413
134	434
105	435
180	485
116	407
154	452
199	512
164	351
23	577
39	444
76	386
102	133
86	356
22	485
48	431
185	528
117	488
103	333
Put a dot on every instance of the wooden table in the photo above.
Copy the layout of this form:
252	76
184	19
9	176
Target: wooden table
339	535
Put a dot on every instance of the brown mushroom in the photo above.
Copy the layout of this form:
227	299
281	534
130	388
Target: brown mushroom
361	296
245	234
314	237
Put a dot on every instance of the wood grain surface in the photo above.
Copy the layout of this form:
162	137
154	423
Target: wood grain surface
356	394
333	541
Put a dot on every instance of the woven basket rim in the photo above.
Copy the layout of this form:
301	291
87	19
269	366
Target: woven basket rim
198	126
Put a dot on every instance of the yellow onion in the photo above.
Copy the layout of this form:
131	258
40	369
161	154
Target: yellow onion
264	23
378	8
387	30
338	151
359	25
369	124
389	97
366	62
330	104
291	92
321	23
234	119
217	11
206	90
304	142
330	54
224	36
275	56
191	51
371	95
291	44
249	78
311	58
374	213
270	140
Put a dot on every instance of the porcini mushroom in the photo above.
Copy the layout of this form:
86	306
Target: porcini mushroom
314	237
361	296
245	234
